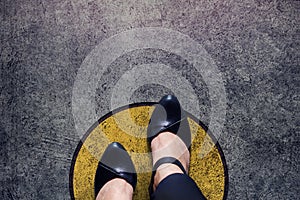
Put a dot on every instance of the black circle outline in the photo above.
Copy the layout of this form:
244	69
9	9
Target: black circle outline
133	105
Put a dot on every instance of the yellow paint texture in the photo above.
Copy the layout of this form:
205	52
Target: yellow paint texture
129	128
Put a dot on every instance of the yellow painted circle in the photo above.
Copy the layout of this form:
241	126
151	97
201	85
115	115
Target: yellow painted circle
207	165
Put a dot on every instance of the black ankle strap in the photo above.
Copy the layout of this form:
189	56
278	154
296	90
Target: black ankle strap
171	160
161	161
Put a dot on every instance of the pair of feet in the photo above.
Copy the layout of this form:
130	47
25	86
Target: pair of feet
166	144
169	137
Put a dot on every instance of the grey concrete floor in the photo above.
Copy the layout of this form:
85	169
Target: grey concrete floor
254	44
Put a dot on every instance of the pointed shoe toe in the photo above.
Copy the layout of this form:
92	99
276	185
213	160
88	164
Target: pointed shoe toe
168	115
115	163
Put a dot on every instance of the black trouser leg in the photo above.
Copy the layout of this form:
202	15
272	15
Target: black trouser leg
177	187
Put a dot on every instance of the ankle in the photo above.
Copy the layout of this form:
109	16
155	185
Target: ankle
167	144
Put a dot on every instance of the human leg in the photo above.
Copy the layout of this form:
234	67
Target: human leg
170	181
170	138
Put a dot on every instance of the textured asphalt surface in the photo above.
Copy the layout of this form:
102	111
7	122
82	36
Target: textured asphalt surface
255	45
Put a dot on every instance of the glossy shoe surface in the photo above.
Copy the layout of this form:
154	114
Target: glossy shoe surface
168	115
115	163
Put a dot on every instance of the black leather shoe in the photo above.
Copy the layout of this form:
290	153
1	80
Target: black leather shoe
169	116
115	163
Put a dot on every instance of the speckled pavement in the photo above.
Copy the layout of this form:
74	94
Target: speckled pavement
253	44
